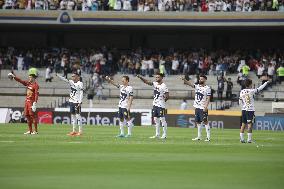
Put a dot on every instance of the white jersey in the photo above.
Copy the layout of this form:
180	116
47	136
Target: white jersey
201	94
125	94
159	94
76	93
246	99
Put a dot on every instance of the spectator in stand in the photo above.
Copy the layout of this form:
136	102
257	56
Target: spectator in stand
245	69
150	67
184	105
271	71
264	78
229	88
144	66
20	62
260	70
280	73
48	77
175	65
221	84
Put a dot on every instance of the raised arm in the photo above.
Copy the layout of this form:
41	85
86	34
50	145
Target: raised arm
261	87
111	81
187	82
144	80
11	75
62	78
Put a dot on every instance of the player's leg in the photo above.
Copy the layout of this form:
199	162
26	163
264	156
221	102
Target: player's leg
79	119
156	121
198	120
73	119
164	123
207	127
121	122
34	121
27	112
129	125
250	121
243	126
29	120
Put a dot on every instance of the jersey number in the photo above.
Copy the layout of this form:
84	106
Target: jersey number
123	97
199	96
73	92
156	94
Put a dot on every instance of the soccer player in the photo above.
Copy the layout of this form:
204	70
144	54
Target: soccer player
246	100
161	95
201	102
31	100
75	102
125	102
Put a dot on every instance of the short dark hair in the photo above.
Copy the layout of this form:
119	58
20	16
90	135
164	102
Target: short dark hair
204	76
160	74
76	73
248	82
126	77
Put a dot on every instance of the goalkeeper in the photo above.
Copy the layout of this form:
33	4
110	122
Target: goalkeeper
31	98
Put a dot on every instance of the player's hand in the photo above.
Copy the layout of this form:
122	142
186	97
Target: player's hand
205	109
34	107
11	76
107	78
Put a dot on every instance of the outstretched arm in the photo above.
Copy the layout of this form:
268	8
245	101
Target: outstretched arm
62	78
261	87
144	80
186	82
11	75
111	81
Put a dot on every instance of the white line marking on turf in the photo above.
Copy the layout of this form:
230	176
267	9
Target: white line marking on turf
7	141
75	142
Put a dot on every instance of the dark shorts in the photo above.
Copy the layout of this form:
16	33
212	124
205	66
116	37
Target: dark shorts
158	111
200	115
247	116
74	108
90	97
123	113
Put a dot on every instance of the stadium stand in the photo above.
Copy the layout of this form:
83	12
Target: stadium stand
145	5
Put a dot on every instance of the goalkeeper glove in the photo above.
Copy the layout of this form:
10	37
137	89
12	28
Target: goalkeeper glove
11	76
34	107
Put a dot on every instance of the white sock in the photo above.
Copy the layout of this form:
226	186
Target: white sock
207	127
79	119
90	103
73	121
199	129
242	136
164	125
249	136
157	124
121	126
129	125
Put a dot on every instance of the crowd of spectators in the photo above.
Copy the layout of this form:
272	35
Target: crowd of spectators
106	61
147	5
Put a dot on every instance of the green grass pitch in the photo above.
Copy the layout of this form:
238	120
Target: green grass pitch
52	160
